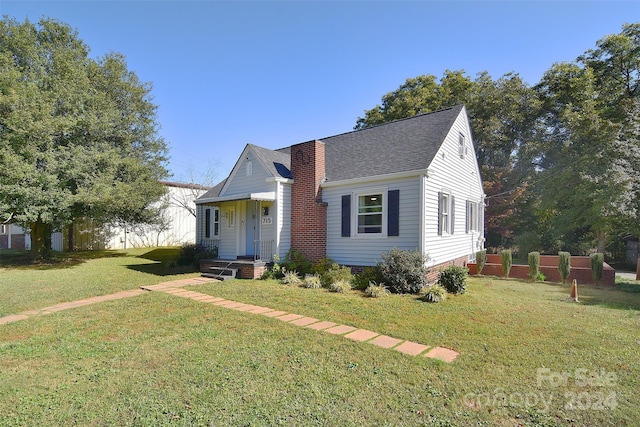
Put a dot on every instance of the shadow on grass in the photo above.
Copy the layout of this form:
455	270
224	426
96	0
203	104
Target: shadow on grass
22	260
161	254
160	269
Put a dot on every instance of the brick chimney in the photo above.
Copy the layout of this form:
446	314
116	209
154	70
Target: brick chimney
308	211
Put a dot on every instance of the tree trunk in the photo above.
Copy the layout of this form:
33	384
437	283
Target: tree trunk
40	239
602	241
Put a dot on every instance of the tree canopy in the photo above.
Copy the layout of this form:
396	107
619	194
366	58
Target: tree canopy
560	160
78	136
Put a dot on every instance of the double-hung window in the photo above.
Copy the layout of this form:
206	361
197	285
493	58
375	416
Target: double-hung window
472	216
211	223
370	212
446	213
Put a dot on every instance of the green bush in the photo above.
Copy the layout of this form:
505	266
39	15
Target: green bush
276	271
291	278
340	286
295	260
454	279
481	260
534	265
564	265
375	291
311	281
192	254
597	267
336	273
435	293
323	265
370	274
403	271
507	261
541	277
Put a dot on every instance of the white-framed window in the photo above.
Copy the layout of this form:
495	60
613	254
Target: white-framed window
231	218
249	167
462	146
211	222
446	213
3	229
370	213
472	217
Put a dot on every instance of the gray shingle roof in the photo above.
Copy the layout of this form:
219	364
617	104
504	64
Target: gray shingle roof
277	162
399	146
215	191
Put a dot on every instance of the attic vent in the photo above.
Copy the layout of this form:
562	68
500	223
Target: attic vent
462	146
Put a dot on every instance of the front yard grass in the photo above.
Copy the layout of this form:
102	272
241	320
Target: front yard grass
528	356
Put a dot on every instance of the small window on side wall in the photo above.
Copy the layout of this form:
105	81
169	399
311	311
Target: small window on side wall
446	213
462	146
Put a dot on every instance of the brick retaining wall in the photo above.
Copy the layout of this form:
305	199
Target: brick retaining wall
580	270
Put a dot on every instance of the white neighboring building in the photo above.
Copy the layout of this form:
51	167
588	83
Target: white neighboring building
178	227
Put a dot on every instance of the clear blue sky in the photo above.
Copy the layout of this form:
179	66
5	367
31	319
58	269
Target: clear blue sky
273	74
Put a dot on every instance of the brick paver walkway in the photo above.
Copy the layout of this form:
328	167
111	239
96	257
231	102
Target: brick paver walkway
175	288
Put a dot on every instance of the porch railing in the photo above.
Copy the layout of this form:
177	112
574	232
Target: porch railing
263	250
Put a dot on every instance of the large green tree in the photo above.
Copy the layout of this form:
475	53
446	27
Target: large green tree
589	154
78	136
500	112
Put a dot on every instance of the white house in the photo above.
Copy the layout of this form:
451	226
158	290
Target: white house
412	184
177	227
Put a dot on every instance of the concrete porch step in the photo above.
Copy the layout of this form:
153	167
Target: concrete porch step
221	273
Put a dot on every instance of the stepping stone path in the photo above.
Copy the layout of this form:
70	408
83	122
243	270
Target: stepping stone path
175	288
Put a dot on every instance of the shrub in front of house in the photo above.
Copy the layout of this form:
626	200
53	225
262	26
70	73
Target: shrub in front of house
192	254
481	260
454	279
564	265
340	286
336	273
403	271
275	271
597	267
291	278
295	260
369	275
311	281
507	261
534	265
323	265
434	293
375	290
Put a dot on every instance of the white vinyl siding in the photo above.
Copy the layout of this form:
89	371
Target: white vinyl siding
460	177
283	219
243	182
358	250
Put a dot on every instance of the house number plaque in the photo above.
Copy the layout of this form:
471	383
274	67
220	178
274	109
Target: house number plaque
267	220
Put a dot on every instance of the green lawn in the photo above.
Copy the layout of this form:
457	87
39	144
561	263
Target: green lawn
528	356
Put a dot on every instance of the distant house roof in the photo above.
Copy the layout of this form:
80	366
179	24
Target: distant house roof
185	185
399	146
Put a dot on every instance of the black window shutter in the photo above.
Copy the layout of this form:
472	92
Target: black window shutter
346	216
439	214
453	213
393	213
207	223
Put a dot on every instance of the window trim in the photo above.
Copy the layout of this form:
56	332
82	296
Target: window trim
473	217
211	222
462	145
231	218
249	168
451	213
355	212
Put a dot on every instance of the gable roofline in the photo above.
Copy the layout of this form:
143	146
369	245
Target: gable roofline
399	146
459	107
